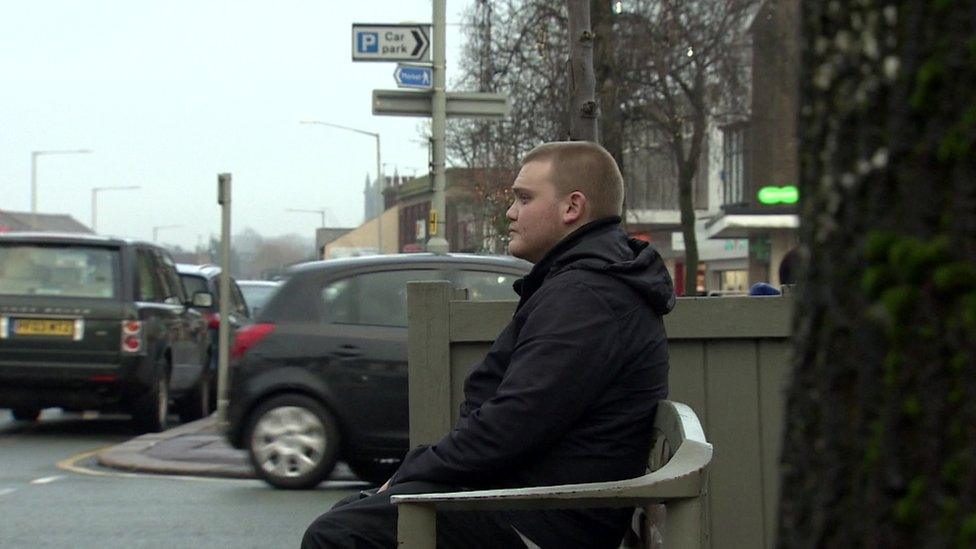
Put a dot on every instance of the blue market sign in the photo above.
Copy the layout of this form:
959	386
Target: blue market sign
414	76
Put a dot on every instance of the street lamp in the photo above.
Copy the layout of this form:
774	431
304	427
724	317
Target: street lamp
95	191
379	175
320	212
157	227
34	155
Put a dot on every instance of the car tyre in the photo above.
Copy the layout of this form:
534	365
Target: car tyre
196	404
292	442
150	413
373	471
26	414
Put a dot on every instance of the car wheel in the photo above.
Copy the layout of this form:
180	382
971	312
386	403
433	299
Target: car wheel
26	414
151	411
373	471
196	404
292	441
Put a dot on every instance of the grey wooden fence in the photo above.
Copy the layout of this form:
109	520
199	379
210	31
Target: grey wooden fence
729	362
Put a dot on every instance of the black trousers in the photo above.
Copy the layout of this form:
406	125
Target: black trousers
368	520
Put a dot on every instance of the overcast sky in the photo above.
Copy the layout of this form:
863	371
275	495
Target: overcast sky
167	94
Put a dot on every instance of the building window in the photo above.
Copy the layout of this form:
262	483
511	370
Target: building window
733	281
735	152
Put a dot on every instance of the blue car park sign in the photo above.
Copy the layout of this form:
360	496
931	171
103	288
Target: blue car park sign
404	42
414	76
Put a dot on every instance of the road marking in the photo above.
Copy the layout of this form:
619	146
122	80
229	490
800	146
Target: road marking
71	464
5	491
47	480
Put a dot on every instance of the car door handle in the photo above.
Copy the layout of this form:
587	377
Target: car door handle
348	351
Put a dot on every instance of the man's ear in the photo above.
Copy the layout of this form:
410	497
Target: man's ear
575	208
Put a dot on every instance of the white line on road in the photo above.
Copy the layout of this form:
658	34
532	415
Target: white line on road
46	480
5	491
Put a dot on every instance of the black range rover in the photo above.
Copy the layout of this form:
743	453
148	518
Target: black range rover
97	323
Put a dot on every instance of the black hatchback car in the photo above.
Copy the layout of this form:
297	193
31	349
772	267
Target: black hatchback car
322	374
96	323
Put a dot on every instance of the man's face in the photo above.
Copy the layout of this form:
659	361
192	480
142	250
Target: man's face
535	215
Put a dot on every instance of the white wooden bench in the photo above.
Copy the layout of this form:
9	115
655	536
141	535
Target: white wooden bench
676	477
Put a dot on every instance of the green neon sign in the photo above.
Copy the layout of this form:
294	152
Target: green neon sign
788	194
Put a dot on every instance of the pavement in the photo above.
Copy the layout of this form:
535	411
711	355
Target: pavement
195	449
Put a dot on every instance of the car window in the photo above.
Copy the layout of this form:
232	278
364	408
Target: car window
193	284
148	285
170	281
256	296
486	286
237	300
376	299
70	271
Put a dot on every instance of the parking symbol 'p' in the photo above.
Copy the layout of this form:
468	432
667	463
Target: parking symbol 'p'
369	42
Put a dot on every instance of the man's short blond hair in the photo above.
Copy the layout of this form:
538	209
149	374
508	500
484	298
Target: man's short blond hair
586	167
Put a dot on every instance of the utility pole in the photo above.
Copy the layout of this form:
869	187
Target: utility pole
33	175
94	202
380	179
438	212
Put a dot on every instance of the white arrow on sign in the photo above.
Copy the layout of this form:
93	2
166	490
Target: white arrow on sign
406	42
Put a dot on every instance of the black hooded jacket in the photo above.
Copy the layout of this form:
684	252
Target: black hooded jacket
568	391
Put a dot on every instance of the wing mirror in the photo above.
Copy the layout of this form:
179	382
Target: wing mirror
202	299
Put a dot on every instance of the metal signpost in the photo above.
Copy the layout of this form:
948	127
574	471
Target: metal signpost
459	104
404	42
410	42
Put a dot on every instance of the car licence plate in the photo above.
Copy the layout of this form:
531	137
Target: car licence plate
43	327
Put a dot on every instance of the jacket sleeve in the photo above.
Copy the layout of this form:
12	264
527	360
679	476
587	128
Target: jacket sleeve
563	359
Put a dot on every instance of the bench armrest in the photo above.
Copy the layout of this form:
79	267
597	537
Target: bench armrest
681	477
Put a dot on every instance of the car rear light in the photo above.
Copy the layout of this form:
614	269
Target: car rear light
131	336
131	327
248	337
213	320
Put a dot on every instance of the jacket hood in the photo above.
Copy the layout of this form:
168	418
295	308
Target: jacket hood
602	246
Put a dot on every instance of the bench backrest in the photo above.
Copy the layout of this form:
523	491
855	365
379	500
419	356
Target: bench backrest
729	362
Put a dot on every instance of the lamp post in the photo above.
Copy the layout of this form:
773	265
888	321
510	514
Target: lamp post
320	212
379	175
34	155
94	201
157	227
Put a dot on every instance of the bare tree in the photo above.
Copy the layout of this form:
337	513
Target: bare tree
687	59
662	71
518	48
